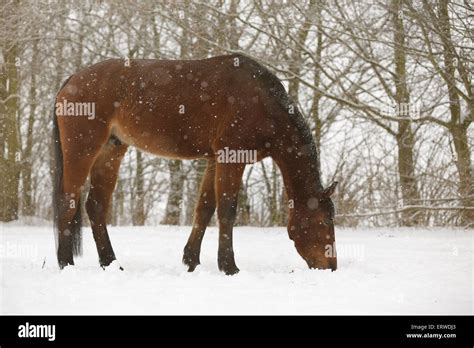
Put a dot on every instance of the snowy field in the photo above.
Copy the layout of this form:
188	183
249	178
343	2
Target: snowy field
381	271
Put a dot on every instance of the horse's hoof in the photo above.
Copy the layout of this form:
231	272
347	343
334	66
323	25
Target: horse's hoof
226	263
63	264
229	269
114	265
191	259
192	267
232	271
191	263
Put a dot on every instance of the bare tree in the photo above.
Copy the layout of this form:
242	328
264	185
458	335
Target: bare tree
9	110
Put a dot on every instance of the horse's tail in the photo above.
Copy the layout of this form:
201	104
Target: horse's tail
59	203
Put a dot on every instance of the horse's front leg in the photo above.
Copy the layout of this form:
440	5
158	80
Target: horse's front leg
202	215
228	179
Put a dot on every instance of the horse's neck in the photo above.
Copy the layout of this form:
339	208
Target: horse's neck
300	174
295	151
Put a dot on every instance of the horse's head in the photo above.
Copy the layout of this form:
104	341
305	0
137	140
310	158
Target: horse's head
311	227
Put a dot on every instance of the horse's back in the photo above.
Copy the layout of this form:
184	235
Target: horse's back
173	108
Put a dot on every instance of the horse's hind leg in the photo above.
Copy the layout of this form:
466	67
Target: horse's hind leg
203	213
68	200
78	156
103	179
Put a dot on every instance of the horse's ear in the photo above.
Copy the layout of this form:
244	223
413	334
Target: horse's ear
328	192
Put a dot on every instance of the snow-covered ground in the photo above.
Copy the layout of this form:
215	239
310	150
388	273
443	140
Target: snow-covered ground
381	271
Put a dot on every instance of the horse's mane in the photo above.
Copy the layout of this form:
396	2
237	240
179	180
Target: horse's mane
278	92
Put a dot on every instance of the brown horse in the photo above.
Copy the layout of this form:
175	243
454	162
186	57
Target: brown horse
186	109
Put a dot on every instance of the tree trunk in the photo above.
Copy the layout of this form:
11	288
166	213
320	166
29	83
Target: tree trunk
173	206
193	189
271	198
138	216
317	79
10	156
457	127
405	137
243	207
275	212
117	205
297	50
464	167
28	206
